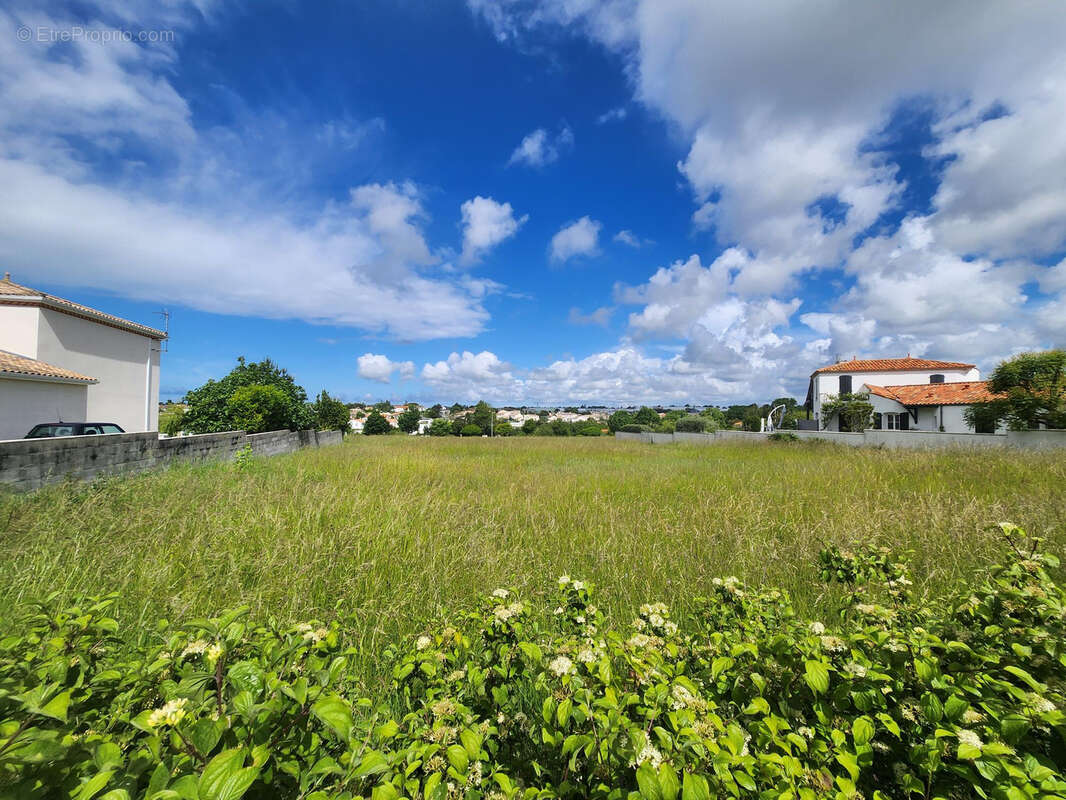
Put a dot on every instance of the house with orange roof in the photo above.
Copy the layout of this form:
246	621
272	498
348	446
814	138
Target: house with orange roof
906	393
61	361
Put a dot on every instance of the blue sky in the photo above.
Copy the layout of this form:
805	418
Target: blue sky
560	201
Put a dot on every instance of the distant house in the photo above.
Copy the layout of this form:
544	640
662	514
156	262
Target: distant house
62	361
906	393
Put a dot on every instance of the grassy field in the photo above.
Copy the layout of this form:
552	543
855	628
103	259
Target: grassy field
402	529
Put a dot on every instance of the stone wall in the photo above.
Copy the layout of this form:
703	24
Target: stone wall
1026	440
27	464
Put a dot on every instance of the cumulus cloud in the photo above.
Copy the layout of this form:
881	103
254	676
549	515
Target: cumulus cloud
578	238
539	147
786	112
469	375
379	368
205	224
613	115
601	316
629	239
486	223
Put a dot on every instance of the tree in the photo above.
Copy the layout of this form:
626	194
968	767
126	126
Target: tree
440	427
618	420
256	409
646	416
505	429
376	424
482	416
853	410
331	414
691	424
1032	392
207	405
434	412
408	420
455	408
470	429
590	429
384	405
715	415
529	426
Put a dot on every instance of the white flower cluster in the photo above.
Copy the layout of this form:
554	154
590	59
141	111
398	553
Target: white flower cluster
195	648
504	613
649	754
423	642
500	593
170	714
561	665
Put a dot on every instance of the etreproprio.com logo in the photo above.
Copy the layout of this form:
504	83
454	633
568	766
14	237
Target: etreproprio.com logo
46	34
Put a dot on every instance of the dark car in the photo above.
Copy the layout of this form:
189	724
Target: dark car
48	429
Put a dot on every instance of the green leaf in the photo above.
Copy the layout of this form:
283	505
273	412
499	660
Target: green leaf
93	786
694	787
744	779
648	782
1018	672
817	676
955	707
720	665
471	743
225	777
458	758
335	712
204	735
56	708
246	676
562	713
668	782
850	763
373	763
757	706
890	724
932	708
863	730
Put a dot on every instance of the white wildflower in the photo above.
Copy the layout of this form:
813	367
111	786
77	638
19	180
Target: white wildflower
564	580
170	714
423	642
970	738
587	656
578	585
817	628
500	593
561	665
194	648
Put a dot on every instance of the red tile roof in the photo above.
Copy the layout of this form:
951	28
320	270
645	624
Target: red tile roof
12	293
16	366
890	365
936	394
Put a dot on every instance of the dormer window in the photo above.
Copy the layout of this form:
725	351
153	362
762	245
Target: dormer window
845	384
936	378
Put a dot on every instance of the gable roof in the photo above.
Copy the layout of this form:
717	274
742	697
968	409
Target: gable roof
936	394
14	294
12	365
890	365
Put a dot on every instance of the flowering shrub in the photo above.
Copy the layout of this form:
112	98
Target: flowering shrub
741	698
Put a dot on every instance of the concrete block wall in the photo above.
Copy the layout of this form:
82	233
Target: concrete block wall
1026	440
27	464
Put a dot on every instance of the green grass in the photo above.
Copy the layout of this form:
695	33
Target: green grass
403	529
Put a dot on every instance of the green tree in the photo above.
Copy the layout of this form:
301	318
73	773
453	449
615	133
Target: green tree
529	426
470	429
590	429
376	424
256	409
853	410
435	411
408	420
384	405
715	415
207	405
505	429
618	419
752	420
691	424
1032	389
646	416
482	416
331	414
440	427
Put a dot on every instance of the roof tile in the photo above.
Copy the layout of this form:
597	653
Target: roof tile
890	365
21	366
936	394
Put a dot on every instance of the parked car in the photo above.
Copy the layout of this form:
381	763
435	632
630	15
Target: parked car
49	429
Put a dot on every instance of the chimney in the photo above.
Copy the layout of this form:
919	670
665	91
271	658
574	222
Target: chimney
7	276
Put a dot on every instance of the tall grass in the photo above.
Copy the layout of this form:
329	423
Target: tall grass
402	530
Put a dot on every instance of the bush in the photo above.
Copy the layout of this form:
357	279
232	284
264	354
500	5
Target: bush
505	429
256	409
470	429
173	423
590	430
331	414
440	427
691	425
209	404
634	428
618	420
901	697
783	436
375	424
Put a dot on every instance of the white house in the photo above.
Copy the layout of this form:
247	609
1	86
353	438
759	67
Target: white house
906	393
62	361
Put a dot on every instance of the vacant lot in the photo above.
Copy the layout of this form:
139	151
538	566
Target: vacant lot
402	529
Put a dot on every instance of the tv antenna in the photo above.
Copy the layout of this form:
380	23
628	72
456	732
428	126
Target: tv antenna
164	346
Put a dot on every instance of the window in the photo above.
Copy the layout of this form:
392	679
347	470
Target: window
845	384
111	429
891	422
936	378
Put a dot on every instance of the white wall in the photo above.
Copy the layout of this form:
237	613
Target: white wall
24	404
18	330
118	359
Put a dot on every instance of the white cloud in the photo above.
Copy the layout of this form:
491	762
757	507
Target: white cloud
601	316
578	238
539	147
628	238
213	218
470	376
379	368
486	223
613	115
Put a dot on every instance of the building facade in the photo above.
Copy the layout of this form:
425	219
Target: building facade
68	362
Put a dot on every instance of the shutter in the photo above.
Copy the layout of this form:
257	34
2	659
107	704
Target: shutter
904	421
877	422
845	384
